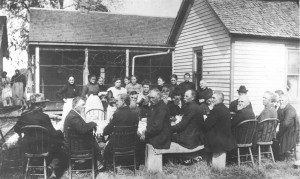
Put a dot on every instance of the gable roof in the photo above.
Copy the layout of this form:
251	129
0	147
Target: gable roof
272	18
265	18
3	37
61	26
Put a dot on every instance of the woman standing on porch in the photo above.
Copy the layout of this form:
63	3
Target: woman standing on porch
93	107
67	94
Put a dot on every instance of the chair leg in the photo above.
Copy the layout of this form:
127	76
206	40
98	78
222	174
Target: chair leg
239	157
272	154
134	161
259	157
27	167
93	168
70	168
251	156
114	163
45	168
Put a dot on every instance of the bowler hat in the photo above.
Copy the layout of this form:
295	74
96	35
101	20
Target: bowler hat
242	89
38	98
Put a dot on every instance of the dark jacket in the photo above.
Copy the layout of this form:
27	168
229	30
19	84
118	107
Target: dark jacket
242	115
76	123
18	78
182	87
37	117
90	89
189	131
68	91
102	88
218	137
158	130
204	94
287	128
122	117
174	91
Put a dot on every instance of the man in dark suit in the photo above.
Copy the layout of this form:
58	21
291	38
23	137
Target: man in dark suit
158	130
288	127
203	93
75	121
122	117
35	116
189	131
244	111
186	85
218	137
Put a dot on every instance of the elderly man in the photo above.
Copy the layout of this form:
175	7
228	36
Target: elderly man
244	111
203	93
218	137
158	130
36	116
287	128
186	85
242	91
75	121
189	131
269	111
123	116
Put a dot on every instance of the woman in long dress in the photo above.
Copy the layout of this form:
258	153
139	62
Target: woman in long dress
115	90
93	108
6	90
18	83
67	94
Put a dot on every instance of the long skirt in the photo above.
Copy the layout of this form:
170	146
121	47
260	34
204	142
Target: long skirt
66	109
94	112
6	96
18	93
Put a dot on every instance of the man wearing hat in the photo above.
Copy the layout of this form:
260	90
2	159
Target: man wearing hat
35	116
234	104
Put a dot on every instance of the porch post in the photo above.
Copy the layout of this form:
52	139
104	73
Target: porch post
86	67
37	70
127	62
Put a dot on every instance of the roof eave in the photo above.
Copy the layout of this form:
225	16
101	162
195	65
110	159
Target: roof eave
236	34
102	44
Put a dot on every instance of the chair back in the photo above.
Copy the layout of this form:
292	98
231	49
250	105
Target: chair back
244	131
124	138
267	130
35	139
80	144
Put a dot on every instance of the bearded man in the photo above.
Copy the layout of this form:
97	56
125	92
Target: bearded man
244	111
287	128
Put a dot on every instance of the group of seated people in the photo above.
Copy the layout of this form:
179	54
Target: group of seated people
204	118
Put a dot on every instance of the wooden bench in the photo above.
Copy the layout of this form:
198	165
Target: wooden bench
153	157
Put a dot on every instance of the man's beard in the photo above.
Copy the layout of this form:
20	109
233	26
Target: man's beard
240	107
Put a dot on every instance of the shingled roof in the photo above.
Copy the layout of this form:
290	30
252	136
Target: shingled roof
273	18
60	26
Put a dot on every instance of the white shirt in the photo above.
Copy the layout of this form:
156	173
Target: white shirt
116	91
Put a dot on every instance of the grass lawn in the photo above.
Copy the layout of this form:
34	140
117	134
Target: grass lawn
198	170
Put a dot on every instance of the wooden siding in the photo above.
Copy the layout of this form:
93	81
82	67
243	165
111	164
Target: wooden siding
260	66
203	29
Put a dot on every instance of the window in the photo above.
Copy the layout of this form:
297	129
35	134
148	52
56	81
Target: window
197	65
293	75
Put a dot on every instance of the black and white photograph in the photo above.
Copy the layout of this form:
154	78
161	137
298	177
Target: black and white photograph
162	89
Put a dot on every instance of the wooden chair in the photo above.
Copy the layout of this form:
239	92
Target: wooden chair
244	133
35	143
124	144
265	134
81	148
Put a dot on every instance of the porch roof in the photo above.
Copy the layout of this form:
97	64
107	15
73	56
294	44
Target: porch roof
64	27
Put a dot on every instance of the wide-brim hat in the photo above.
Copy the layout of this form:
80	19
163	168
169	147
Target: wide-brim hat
242	89
37	98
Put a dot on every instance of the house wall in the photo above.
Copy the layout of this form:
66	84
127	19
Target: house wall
260	65
203	29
